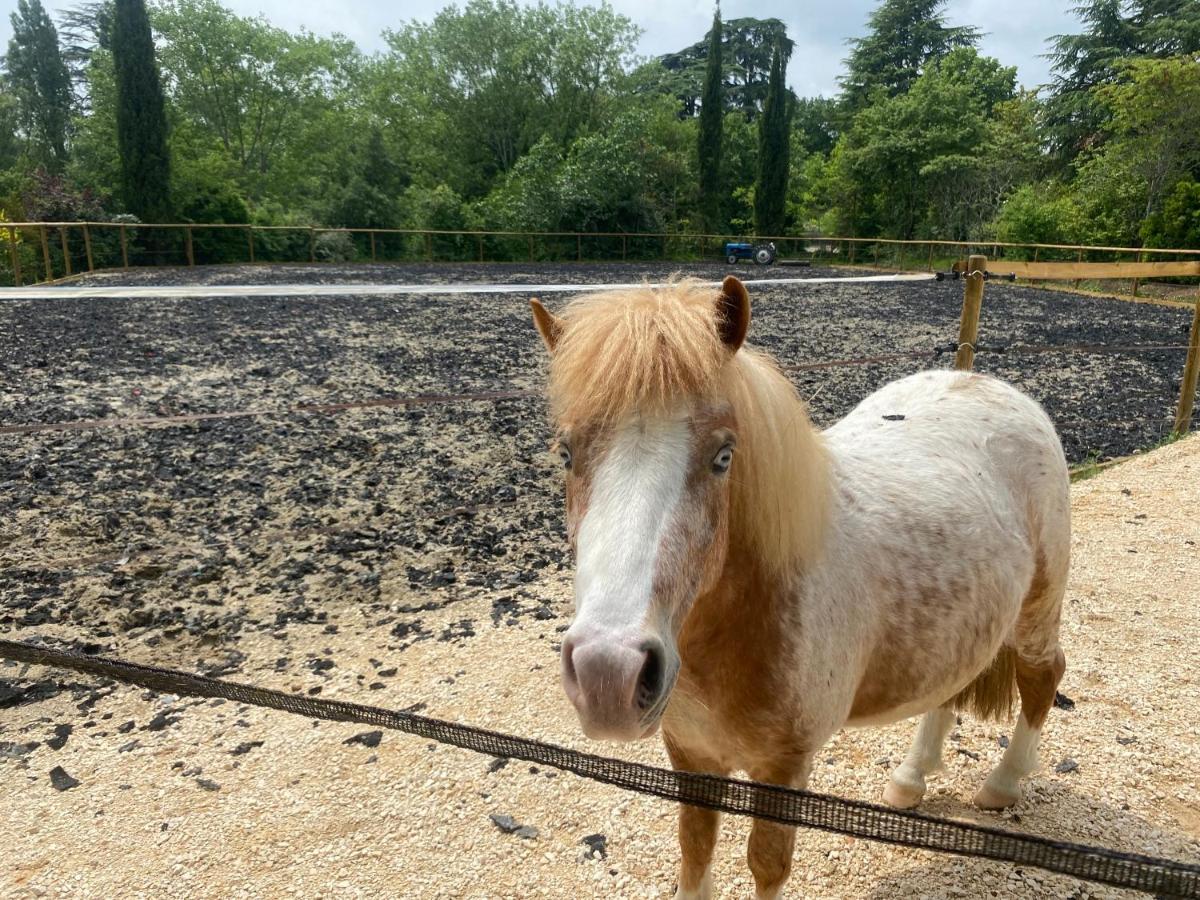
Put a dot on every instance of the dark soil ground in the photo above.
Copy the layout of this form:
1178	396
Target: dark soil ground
192	534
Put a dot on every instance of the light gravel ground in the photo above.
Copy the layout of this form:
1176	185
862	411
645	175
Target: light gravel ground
171	811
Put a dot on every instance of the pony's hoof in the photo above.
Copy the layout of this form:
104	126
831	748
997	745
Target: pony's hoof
703	891
903	796
991	797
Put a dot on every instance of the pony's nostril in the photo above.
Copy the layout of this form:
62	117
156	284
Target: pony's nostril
650	679
568	662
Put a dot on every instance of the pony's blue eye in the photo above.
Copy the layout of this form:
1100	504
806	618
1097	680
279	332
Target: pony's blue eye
723	459
564	453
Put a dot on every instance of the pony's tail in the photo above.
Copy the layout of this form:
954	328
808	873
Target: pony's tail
992	693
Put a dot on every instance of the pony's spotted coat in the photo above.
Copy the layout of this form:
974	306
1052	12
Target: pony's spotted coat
909	560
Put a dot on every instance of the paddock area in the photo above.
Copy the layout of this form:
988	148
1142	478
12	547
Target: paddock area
352	496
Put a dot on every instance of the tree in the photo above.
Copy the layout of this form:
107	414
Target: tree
903	38
816	120
1114	32
488	81
712	114
84	31
247	86
1154	146
41	84
908	156
746	48
141	116
774	154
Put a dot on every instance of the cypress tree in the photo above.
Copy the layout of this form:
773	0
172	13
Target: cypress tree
141	115
41	83
712	114
774	154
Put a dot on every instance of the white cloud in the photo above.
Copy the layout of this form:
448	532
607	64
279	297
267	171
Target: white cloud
1015	31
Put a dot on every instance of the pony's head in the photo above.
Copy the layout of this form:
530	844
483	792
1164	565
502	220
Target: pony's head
675	441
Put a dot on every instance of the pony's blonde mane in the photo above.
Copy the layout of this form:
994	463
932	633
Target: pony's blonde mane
653	352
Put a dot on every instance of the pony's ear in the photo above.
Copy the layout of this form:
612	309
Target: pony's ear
733	313
549	326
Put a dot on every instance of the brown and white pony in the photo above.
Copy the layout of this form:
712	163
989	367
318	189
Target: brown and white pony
753	585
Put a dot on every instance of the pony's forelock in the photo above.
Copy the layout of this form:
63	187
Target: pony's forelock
652	352
635	352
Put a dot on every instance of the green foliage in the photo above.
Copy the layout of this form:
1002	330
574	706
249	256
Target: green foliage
1177	223
908	163
747	46
815	120
1037	213
248	89
141	121
708	140
40	84
334	246
499	114
490	80
1115	32
627	178
904	37
774	155
1154	145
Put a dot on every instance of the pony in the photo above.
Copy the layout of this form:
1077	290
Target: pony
752	585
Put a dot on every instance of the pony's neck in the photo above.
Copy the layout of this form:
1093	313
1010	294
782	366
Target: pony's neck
780	492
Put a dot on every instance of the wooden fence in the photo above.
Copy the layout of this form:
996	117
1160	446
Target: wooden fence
48	251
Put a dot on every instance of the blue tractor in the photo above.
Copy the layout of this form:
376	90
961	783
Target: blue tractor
763	254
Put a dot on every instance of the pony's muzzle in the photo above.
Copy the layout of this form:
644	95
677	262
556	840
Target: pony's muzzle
618	686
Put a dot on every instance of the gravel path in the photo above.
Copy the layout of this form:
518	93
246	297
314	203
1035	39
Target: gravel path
180	799
415	554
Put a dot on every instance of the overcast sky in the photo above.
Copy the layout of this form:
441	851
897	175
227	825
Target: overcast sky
1015	30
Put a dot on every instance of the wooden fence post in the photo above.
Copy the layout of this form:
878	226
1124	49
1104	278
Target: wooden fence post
16	256
1137	281
250	241
191	250
578	248
480	239
66	249
877	254
87	244
624	246
46	253
312	244
929	266
1187	391
530	237
968	326
853	247
124	248
428	247
1078	258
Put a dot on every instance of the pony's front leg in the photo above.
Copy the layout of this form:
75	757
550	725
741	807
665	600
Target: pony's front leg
697	831
771	845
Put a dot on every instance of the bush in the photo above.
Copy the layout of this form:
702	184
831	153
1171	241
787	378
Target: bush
335	246
216	205
1037	214
1177	224
53	198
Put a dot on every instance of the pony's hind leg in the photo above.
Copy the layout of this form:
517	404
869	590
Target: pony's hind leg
1039	667
1036	684
907	784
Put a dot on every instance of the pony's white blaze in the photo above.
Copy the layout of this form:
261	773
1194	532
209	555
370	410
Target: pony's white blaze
635	495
